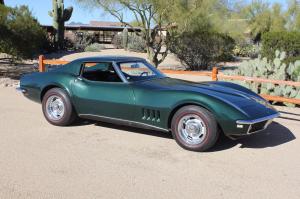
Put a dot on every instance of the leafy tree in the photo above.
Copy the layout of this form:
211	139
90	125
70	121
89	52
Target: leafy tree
21	34
278	20
148	14
258	16
262	18
2	2
293	15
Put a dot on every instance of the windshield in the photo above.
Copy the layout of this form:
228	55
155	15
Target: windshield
139	70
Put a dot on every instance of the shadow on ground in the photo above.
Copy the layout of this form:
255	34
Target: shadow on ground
128	129
275	135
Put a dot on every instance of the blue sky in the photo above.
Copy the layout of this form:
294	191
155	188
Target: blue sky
40	10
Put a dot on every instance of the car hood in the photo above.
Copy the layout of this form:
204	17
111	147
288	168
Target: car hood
214	88
245	100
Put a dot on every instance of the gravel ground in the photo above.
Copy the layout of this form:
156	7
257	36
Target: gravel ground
99	160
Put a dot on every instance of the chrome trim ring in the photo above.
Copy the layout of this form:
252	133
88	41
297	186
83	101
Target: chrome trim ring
192	129
265	126
55	107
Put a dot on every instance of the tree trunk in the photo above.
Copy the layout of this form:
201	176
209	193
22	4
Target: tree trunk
2	2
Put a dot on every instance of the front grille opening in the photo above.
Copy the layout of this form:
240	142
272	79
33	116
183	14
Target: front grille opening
258	126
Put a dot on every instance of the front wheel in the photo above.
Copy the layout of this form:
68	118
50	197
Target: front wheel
194	128
57	107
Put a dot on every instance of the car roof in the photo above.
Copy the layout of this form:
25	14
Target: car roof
109	59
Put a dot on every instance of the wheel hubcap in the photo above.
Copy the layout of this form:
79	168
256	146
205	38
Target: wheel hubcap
192	129
55	107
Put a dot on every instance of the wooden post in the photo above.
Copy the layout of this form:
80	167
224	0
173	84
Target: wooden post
214	74
42	67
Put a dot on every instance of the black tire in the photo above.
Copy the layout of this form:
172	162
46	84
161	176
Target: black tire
207	120
69	115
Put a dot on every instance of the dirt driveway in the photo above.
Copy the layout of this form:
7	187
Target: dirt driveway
97	160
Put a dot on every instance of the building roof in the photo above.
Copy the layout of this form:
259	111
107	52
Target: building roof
106	24
96	25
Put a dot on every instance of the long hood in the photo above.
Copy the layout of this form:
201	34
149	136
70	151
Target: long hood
235	95
224	89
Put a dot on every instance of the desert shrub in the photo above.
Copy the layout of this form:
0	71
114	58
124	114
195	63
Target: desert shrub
117	41
83	39
198	50
21	34
94	47
291	59
136	44
246	50
288	42
270	69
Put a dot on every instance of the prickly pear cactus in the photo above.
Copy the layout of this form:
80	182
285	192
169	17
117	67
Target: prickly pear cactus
60	15
270	69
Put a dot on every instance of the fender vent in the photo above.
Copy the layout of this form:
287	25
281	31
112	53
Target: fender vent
151	115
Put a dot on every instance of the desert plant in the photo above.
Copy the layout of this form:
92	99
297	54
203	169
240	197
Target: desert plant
83	39
246	50
60	15
94	47
270	69
136	44
198	50
288	42
21	34
117	41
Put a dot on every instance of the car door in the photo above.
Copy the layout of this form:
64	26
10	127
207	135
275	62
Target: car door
97	95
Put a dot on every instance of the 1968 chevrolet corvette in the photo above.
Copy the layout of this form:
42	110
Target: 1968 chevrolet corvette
129	91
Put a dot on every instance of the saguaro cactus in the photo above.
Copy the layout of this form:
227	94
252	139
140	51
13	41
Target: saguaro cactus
60	15
125	38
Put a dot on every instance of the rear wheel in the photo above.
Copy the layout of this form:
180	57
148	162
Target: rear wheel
194	128
57	107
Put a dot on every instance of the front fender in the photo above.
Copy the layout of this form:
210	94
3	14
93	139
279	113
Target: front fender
225	112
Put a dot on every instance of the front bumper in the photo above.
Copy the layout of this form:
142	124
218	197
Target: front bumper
19	89
256	125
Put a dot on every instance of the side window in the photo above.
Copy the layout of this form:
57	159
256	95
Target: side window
100	71
134	71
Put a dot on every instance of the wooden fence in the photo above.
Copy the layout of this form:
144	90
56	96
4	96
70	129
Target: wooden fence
214	74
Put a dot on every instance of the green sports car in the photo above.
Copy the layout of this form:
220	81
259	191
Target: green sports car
129	91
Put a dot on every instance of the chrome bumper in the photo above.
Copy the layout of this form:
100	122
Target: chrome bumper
259	124
21	90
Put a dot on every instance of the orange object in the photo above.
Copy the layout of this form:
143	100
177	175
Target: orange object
214	74
42	67
255	79
281	99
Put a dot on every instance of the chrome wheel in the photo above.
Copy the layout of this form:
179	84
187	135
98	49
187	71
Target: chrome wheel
55	107
192	129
